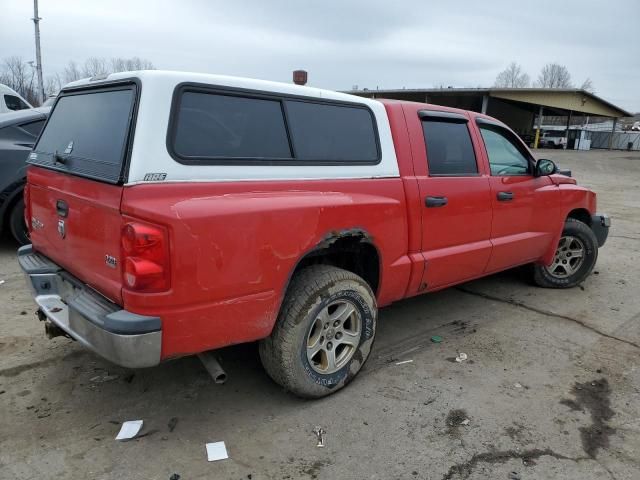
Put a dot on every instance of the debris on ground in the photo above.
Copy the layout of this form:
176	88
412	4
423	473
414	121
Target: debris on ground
517	385
129	429
514	476
2	281
172	423
456	417
105	377
465	422
404	361
216	451
461	357
175	476
319	431
436	339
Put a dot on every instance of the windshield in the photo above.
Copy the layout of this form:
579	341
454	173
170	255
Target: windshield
87	133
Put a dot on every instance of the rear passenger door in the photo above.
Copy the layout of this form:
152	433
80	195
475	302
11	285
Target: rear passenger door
522	203
455	200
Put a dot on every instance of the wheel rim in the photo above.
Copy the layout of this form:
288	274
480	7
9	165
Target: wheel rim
569	257
334	336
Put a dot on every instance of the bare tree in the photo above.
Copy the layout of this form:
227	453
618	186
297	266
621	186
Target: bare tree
512	77
53	84
587	85
20	76
94	66
119	64
554	75
71	72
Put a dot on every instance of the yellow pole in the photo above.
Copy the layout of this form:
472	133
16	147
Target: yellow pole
535	142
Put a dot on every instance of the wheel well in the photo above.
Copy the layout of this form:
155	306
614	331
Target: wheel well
351	251
11	195
581	214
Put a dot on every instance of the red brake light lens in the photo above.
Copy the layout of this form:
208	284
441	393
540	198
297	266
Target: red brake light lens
145	254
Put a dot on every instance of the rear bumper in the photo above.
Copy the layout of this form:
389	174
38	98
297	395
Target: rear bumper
600	223
122	337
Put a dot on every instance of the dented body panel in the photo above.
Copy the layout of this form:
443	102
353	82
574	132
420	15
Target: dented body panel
236	244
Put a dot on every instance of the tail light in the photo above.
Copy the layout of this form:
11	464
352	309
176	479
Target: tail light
145	256
26	196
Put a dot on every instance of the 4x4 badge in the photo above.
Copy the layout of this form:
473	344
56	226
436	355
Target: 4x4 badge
69	148
61	229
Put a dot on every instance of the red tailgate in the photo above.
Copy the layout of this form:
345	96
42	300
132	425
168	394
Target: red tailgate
76	222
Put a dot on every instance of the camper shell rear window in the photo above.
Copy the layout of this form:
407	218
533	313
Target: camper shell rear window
89	132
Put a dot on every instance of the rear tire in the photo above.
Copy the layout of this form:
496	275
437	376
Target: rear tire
574	259
323	334
17	225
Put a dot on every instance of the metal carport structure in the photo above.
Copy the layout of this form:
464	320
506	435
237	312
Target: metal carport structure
523	109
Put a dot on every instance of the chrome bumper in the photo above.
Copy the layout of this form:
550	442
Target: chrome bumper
122	337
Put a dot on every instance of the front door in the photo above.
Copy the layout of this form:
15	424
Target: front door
522	203
455	201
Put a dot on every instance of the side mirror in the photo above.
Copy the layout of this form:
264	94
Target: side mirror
545	167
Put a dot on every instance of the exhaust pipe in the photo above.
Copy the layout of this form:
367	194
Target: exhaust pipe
214	368
53	331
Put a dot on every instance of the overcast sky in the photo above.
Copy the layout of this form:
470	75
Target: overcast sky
385	44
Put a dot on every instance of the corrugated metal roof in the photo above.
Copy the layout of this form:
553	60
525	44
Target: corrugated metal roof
525	95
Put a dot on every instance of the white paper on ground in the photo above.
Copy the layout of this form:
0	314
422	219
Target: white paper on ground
129	429
404	361
216	451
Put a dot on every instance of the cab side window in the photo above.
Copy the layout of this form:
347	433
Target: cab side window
14	103
506	157
449	148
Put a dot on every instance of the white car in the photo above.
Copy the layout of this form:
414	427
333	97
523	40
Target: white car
11	101
553	139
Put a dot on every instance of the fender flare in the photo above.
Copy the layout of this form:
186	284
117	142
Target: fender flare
329	239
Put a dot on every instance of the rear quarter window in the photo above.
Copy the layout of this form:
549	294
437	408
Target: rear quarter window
33	128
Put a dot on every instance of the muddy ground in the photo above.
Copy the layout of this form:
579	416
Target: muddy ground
550	389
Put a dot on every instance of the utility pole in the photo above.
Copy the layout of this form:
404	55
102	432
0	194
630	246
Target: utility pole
36	22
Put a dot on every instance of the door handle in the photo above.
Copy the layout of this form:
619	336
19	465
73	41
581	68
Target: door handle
432	202
505	196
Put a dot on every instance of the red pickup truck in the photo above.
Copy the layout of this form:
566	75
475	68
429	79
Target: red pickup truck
172	214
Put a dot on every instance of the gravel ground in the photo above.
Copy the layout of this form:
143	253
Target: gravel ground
550	389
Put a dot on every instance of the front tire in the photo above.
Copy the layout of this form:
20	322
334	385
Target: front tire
574	259
17	225
323	334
